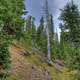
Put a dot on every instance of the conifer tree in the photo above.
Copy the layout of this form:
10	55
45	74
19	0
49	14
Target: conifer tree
51	26
71	22
70	33
41	36
51	32
30	31
10	26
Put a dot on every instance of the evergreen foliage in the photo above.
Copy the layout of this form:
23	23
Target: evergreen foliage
70	34
30	32
41	36
10	27
5	40
44	38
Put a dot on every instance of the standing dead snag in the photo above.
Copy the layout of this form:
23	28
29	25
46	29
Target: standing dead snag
47	32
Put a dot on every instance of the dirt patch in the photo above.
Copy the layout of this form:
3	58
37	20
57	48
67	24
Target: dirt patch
23	69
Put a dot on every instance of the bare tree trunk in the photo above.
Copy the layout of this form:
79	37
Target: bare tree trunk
48	45
47	31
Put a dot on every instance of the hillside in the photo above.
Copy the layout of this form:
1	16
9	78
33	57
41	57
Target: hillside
28	64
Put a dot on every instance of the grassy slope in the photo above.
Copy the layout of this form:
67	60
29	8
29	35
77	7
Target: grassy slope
34	67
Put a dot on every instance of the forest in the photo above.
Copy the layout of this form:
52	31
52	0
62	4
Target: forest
31	52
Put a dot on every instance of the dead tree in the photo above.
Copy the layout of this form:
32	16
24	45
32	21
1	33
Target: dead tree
46	16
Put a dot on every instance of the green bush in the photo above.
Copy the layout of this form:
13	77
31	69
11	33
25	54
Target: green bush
5	41
4	54
71	55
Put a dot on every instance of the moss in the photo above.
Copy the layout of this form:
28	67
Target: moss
12	77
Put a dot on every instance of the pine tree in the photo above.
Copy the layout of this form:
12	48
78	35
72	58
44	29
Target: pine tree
71	22
10	16
41	36
30	31
33	28
10	26
51	32
70	33
51	26
55	46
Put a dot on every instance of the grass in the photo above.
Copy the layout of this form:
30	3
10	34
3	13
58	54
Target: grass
12	77
65	74
36	65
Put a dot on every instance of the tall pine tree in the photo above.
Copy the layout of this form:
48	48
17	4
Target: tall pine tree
41	36
70	34
51	32
71	22
30	31
10	24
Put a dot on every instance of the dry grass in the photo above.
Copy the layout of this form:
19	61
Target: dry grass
34	67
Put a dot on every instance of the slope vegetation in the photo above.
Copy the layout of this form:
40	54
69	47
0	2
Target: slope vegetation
30	64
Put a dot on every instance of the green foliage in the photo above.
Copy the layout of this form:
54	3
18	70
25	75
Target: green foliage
70	35
12	77
70	18
10	16
70	55
29	32
5	41
51	28
51	32
11	24
56	50
41	36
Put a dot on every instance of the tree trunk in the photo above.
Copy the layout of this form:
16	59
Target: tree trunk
47	31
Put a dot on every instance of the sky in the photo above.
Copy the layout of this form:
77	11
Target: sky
35	8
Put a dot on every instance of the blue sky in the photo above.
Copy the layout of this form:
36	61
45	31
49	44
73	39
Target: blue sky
35	8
